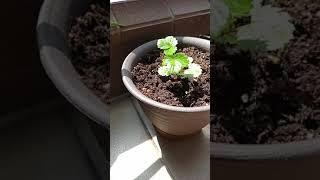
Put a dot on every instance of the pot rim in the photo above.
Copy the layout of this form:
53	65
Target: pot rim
265	151
127	66
58	67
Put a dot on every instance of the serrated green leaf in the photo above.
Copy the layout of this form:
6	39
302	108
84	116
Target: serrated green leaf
170	51
177	67
171	68
182	58
174	63
165	61
162	44
168	44
163	71
194	70
269	24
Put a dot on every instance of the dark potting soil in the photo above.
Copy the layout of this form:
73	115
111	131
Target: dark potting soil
273	97
89	42
174	91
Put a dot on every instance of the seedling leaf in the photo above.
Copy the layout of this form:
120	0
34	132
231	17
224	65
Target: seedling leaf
239	8
268	24
168	44
194	70
176	63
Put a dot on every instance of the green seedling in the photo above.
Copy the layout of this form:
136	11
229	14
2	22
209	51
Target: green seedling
176	64
268	29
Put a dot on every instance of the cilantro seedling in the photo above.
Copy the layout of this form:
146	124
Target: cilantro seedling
176	64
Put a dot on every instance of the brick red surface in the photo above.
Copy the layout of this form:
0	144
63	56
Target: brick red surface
139	12
192	26
185	7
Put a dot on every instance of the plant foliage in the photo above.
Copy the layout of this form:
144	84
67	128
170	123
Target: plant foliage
178	64
269	28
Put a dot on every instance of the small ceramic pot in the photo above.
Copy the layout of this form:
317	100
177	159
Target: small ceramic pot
170	120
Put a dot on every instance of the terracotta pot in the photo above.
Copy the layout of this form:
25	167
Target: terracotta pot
171	120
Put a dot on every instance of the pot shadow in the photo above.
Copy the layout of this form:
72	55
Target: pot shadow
132	149
185	158
189	157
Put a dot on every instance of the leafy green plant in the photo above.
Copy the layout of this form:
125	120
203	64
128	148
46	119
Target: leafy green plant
176	64
269	27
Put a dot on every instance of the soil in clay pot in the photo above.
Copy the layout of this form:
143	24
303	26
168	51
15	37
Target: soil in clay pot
271	97
174	91
89	42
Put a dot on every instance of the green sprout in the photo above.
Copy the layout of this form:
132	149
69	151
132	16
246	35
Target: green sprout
176	64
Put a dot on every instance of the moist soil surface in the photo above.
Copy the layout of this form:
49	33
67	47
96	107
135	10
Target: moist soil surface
89	42
271	97
172	90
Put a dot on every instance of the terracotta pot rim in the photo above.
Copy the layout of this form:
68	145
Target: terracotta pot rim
140	51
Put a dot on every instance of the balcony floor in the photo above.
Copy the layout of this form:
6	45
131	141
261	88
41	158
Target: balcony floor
43	143
138	150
